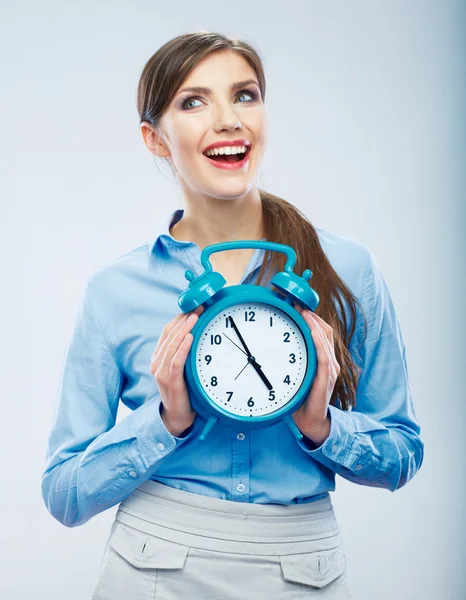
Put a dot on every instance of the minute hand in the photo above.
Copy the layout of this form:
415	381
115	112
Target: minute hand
233	324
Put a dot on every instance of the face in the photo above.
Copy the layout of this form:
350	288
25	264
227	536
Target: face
223	368
195	120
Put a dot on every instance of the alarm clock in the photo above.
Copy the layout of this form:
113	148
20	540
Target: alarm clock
252	360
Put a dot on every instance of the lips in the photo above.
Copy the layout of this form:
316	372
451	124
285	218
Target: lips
230	166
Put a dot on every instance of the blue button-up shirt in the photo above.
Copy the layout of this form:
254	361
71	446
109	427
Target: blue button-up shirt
93	463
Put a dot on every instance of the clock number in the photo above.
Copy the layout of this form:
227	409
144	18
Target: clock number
294	358
271	321
272	395
251	315
287	380
227	322
251	402
287	336
208	358
213	380
229	397
215	339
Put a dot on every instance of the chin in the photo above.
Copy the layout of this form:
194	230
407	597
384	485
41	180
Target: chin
230	191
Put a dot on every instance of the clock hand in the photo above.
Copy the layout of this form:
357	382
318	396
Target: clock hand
251	358
261	374
242	370
234	343
233	324
254	363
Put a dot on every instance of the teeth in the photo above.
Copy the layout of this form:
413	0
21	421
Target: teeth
226	150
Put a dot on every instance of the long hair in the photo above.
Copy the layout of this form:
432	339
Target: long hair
161	78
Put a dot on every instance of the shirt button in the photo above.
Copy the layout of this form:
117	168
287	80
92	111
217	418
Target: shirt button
334	448
132	473
241	487
241	436
358	467
160	446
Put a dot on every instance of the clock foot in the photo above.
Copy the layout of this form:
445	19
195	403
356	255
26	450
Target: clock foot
288	419
207	428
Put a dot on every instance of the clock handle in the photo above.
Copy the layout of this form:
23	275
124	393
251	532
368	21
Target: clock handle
240	244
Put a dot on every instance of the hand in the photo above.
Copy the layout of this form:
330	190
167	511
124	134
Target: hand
312	416
167	367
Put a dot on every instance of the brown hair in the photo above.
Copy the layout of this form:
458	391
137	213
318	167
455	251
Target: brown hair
161	77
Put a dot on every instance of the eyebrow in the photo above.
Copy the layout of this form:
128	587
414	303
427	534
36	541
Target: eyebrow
207	91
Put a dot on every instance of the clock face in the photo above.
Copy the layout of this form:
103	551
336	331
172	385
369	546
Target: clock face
228	376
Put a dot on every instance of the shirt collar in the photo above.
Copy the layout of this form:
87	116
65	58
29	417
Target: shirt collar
163	244
163	239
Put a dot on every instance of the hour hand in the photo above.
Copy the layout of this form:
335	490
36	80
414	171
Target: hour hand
261	374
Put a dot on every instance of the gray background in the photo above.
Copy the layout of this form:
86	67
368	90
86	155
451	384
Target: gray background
367	136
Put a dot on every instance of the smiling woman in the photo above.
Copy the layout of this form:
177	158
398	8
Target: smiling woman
242	514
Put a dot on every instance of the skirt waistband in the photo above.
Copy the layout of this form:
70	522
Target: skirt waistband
215	524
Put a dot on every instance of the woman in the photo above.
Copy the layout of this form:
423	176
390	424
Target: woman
241	514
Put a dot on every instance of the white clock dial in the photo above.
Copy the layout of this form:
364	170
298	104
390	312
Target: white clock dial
273	339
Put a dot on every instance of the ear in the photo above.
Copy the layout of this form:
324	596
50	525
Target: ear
153	140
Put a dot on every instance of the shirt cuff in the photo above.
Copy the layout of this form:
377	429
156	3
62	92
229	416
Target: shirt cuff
337	447
154	439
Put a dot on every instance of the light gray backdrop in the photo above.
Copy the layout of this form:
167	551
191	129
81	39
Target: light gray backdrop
366	104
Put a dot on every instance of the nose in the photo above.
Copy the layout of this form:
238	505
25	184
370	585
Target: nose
227	119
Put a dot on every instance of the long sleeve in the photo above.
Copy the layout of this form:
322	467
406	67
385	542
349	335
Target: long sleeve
91	462
377	443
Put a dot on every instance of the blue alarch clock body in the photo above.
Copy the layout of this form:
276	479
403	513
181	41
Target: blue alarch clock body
208	289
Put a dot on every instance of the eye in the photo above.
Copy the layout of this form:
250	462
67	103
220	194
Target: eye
250	93
183	106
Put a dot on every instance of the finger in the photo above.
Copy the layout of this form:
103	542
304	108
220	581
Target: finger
326	331
179	359
169	327
325	326
326	364
318	334
167	335
175	321
173	326
173	345
326	334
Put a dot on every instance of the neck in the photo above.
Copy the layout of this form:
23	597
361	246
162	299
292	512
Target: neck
213	221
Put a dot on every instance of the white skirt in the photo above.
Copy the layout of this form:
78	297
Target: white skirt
169	544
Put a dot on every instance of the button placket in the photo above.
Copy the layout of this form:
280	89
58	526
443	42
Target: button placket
240	465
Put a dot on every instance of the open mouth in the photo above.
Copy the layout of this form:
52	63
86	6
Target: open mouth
229	158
